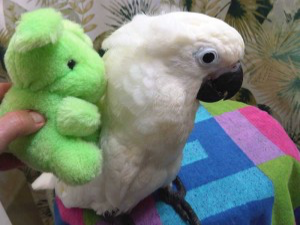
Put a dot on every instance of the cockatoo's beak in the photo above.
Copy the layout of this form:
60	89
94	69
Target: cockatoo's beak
221	85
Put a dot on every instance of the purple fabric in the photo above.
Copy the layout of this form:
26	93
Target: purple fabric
145	213
243	133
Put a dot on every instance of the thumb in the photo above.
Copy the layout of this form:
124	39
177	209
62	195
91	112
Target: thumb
17	124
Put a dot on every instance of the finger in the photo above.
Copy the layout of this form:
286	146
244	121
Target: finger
17	124
9	161
3	89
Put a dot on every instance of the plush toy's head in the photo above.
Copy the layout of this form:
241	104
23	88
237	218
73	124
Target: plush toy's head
52	54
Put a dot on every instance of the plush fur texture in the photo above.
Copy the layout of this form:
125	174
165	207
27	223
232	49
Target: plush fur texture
71	122
150	104
37	61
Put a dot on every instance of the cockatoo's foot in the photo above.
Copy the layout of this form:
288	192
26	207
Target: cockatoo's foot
123	219
177	201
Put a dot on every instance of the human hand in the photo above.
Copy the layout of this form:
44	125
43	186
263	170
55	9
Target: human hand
13	125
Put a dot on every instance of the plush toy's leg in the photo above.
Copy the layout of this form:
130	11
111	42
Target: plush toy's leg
76	161
123	219
177	201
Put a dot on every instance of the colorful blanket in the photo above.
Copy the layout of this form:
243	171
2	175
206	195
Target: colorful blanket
239	167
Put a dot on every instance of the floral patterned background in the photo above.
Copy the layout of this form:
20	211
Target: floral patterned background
270	28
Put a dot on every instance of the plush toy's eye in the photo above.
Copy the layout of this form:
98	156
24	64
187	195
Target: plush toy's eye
71	64
207	56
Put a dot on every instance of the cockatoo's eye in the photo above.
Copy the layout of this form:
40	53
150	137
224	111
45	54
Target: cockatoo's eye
71	64
207	56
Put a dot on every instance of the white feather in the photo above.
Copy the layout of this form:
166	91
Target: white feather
44	181
150	105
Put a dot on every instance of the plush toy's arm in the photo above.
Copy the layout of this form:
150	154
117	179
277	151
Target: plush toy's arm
76	117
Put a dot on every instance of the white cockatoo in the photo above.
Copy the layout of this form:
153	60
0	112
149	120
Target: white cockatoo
158	68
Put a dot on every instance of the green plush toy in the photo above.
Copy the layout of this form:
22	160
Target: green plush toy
55	71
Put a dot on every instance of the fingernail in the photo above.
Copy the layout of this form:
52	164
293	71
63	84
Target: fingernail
37	118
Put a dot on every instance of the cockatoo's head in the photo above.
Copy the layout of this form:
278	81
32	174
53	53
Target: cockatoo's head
202	52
